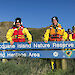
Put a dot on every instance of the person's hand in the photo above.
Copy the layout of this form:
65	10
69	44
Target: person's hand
29	42
46	41
11	42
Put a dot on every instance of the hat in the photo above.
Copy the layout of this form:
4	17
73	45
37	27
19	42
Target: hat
73	27
54	18
18	20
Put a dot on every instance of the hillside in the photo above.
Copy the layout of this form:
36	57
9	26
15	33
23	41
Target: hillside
4	26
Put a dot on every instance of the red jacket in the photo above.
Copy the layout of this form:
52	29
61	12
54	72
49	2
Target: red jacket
18	35
73	36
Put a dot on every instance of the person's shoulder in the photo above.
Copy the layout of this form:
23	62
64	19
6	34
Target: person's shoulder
26	29
10	28
50	27
60	27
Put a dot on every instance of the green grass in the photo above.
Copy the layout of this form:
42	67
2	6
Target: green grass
29	66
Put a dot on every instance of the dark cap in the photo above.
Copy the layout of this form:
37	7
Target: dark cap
73	27
18	20
55	18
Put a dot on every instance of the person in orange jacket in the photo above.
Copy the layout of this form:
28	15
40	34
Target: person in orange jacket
17	33
55	33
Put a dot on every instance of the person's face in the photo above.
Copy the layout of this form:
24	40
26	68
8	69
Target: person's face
55	22
17	24
73	31
69	31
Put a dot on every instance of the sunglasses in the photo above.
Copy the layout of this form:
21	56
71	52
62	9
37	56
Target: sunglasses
17	24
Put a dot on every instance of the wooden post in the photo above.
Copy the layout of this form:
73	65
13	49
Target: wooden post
58	62
64	64
4	60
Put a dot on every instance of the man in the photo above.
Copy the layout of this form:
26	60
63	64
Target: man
17	33
55	33
72	35
69	32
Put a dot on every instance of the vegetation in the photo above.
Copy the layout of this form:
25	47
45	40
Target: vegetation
29	66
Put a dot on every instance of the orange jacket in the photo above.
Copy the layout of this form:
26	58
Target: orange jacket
58	33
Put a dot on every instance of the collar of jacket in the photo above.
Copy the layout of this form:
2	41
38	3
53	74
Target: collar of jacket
55	26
